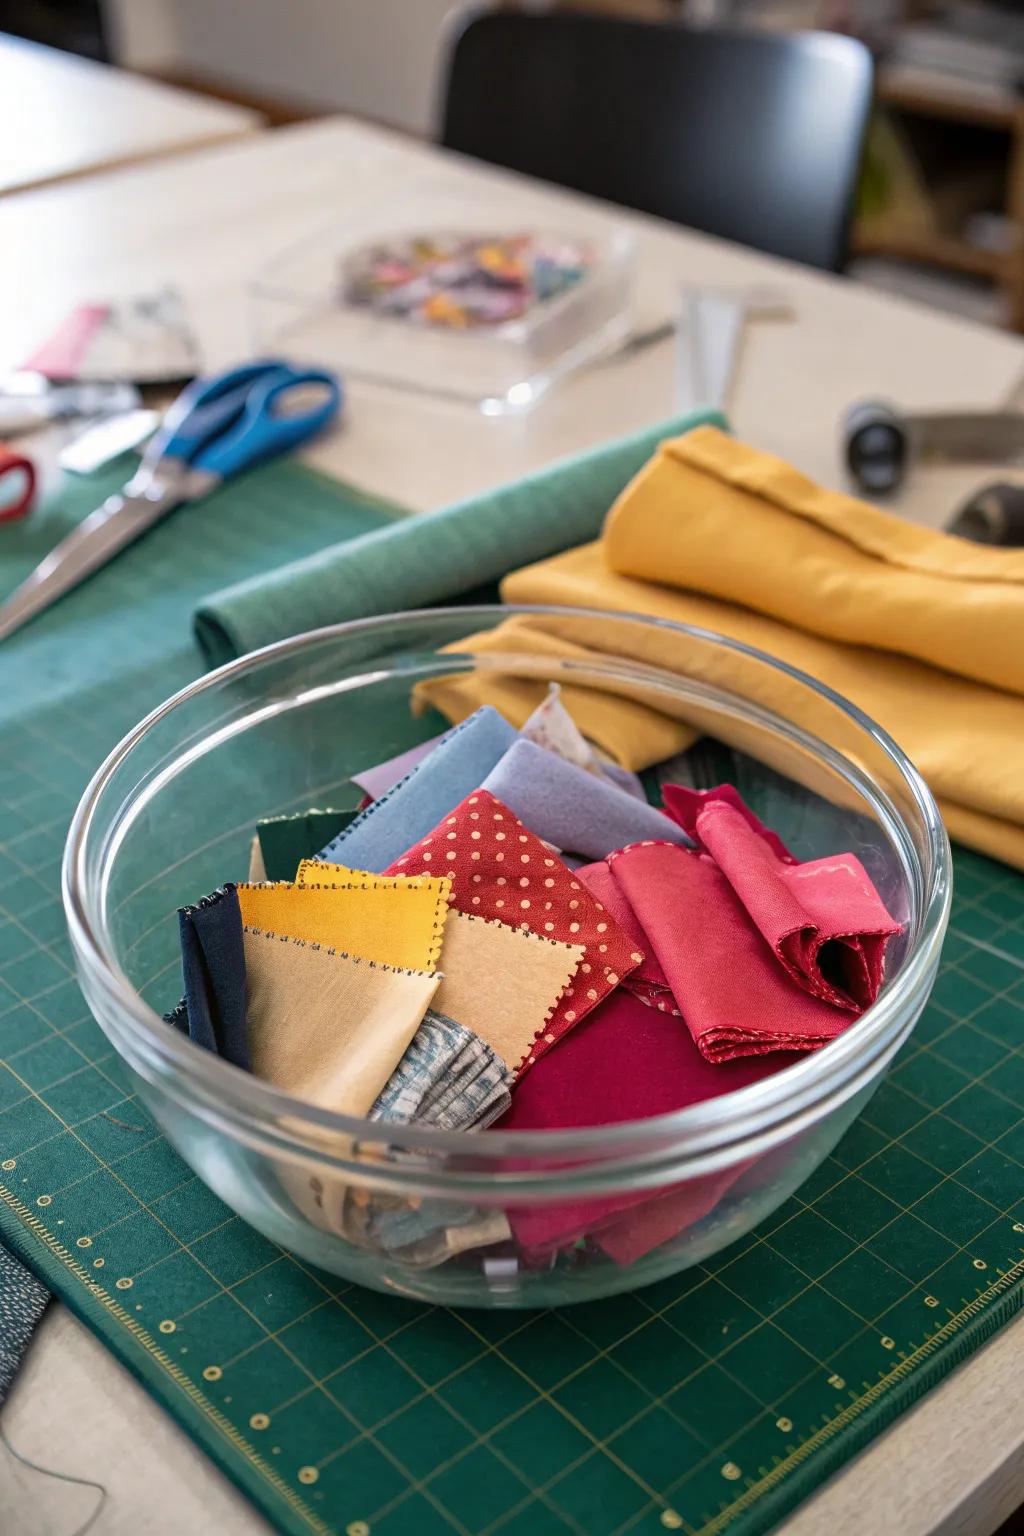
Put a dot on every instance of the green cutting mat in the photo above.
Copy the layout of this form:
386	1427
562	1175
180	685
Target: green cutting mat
712	1401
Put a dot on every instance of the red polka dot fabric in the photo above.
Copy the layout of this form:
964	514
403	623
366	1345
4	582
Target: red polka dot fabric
500	869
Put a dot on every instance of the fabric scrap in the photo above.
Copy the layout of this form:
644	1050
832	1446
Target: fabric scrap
822	918
328	1027
421	1235
625	1062
213	966
394	922
734	995
448	1078
23	1300
503	983
285	840
257	865
378	780
571	808
457	765
648	981
552	726
684	804
500	870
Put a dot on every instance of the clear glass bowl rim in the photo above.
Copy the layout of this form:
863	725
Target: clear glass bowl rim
263	1114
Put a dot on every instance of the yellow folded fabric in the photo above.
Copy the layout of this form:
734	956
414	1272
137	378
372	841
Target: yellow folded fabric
519	685
710	514
501	982
913	626
327	1027
394	922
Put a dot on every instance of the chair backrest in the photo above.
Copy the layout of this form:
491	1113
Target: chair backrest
753	136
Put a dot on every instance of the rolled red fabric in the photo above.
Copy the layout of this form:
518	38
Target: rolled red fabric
736	997
823	919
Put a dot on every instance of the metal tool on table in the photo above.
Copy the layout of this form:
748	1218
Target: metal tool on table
710	328
881	444
17	484
217	427
106	440
29	400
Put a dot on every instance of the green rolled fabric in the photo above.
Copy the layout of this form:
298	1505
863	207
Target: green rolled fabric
418	561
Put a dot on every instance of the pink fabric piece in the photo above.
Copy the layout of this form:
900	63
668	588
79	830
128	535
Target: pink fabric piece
735	996
625	1062
376	781
62	354
648	981
823	919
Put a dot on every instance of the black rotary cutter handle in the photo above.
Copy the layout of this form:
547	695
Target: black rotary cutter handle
880	442
993	515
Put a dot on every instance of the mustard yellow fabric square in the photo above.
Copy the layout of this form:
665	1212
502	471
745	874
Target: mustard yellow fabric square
394	922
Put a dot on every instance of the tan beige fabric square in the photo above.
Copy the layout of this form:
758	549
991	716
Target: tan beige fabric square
501	982
325	1026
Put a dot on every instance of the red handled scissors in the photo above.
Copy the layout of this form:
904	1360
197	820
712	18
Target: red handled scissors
17	484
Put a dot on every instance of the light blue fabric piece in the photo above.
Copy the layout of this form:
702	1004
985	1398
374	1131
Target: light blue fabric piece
575	810
391	825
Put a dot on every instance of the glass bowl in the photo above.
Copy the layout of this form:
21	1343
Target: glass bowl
170	815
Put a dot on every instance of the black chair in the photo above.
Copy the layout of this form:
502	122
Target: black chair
753	136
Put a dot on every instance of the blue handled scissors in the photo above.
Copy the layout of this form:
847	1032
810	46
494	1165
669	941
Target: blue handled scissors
217	427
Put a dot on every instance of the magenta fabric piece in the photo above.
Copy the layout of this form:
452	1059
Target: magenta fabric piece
645	1227
735	996
823	919
626	1061
377	781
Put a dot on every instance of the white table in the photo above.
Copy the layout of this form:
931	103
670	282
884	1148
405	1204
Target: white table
207	223
62	116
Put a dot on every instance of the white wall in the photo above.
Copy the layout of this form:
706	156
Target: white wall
377	58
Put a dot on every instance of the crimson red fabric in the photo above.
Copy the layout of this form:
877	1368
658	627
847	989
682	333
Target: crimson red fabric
823	919
625	1062
735	996
501	870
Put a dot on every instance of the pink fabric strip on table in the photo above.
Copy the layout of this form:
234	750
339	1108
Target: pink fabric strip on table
823	919
61	355
625	1062
735	996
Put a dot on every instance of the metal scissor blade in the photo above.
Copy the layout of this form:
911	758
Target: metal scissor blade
118	522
